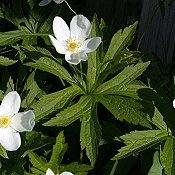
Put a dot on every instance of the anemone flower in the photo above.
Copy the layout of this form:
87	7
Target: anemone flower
12	122
50	172
72	41
45	2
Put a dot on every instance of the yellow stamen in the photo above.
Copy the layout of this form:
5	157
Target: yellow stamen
5	121
72	45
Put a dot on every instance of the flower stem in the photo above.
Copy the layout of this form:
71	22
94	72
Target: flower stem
114	168
70	7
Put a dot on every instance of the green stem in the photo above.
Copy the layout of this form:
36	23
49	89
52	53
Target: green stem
70	7
114	168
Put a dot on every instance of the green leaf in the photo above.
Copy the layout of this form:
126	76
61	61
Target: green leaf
90	133
124	108
137	141
120	41
125	77
156	168
3	152
49	65
158	120
6	13
33	141
71	114
134	90
54	101
167	156
31	91
75	167
57	152
37	162
93	58
4	61
43	60
10	37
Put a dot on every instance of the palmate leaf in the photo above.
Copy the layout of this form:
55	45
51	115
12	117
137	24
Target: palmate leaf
93	57
137	141
125	77
54	101
4	61
119	42
167	156
71	114
124	108
90	133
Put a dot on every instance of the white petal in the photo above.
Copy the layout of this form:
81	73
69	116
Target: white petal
91	44
72	58
60	29
174	103
58	1
9	139
83	56
58	45
23	121
44	2
66	173
80	27
49	172
10	103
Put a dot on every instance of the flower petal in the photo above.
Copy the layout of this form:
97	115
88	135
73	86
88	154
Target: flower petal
23	121
58	1
44	2
58	46
80	27
91	44
72	58
10	104
10	140
83	56
66	173
60	29
174	103
49	172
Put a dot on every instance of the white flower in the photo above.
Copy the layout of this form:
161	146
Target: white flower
72	42
50	172
174	103
12	122
45	2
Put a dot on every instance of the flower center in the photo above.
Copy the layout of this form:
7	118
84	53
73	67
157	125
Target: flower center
5	121
73	45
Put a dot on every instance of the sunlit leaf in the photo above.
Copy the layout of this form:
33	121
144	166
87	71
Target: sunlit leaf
137	141
71	114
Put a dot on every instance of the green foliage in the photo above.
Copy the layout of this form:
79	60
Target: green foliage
100	104
137	141
156	168
167	156
4	61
